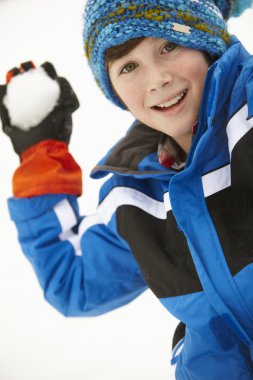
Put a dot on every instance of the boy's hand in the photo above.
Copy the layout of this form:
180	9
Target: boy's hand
36	105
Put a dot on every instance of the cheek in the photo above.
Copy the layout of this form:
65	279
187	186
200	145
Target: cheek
195	65
131	97
197	76
122	90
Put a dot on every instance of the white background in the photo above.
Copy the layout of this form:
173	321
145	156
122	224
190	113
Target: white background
36	342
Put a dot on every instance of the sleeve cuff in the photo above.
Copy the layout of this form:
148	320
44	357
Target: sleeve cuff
47	168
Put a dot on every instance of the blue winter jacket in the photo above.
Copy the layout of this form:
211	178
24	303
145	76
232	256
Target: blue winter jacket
187	235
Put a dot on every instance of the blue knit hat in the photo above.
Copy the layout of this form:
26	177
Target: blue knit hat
197	24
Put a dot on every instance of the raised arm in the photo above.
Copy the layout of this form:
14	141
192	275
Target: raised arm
82	264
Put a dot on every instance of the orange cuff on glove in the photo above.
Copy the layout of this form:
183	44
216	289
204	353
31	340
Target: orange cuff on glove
47	168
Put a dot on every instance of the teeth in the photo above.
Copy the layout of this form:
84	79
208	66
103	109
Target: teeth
172	101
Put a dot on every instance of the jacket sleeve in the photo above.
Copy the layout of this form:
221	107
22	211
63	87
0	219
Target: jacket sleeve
82	264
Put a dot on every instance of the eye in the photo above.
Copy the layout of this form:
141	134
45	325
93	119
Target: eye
128	67
170	46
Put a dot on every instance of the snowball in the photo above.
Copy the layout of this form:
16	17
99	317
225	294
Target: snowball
30	97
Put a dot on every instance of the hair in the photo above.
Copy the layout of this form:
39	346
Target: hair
116	52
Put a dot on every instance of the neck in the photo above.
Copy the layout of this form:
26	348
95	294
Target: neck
185	141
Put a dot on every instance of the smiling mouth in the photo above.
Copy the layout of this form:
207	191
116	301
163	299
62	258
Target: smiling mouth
171	104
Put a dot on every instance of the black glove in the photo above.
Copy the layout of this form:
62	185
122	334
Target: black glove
57	125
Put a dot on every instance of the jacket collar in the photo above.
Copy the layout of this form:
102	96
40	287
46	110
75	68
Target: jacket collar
135	154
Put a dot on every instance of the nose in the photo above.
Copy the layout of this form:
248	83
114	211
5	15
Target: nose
158	77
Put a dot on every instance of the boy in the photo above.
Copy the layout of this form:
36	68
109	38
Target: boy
174	215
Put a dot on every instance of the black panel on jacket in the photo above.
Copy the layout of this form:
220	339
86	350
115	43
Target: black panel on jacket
232	213
161	251
242	162
232	209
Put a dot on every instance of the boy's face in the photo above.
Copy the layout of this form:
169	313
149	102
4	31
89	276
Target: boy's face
161	84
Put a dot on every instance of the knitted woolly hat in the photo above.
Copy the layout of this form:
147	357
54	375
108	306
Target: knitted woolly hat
197	24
